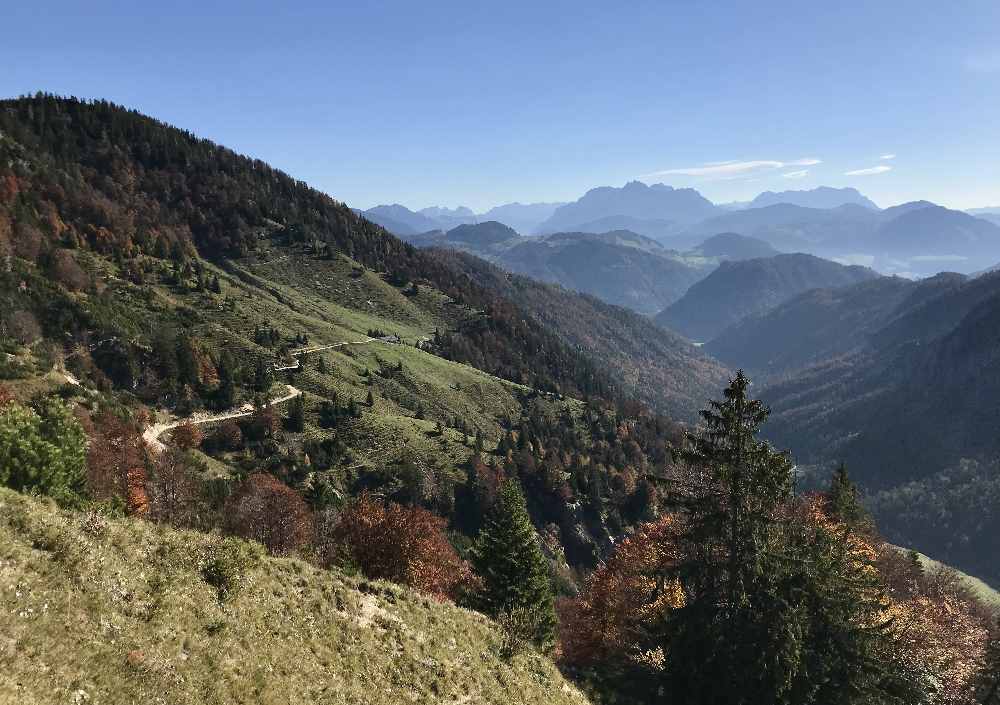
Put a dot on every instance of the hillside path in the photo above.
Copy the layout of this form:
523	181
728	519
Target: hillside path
319	348
152	434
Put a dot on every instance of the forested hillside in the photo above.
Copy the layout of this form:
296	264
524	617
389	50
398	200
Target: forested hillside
653	365
896	378
750	287
172	274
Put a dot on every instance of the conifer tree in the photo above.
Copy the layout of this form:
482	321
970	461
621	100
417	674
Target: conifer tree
508	559
775	609
263	377
843	499
296	414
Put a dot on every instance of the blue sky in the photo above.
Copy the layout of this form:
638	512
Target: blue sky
448	103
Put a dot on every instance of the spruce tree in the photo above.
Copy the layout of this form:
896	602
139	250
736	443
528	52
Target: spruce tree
844	501
777	608
508	559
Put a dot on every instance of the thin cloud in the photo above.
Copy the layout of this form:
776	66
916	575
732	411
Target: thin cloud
801	174
732	169
870	171
886	157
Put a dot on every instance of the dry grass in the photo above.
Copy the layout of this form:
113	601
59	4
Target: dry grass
97	611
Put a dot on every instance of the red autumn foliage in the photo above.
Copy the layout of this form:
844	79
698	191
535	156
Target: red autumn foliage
65	270
622	597
187	436
270	512
6	396
173	488
116	462
406	545
227	436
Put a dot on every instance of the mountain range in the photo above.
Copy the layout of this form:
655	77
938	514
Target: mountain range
400	220
819	197
918	238
619	267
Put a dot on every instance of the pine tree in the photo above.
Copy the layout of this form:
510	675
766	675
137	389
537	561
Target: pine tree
508	559
776	608
370	399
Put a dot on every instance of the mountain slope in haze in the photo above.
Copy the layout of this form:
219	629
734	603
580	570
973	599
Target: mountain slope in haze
912	238
400	216
935	231
447	218
819	197
795	228
620	267
656	366
522	217
750	287
734	246
635	199
294	633
644	279
654	228
811	327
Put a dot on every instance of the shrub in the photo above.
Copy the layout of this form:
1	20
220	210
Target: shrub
265	510
187	436
225	565
611	618
406	545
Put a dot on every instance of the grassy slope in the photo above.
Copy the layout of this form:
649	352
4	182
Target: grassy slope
296	293
117	612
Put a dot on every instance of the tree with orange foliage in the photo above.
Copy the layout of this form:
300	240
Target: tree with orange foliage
116	462
406	545
613	618
943	632
270	512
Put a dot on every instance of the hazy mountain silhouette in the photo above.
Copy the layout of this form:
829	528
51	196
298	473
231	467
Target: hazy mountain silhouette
634	199
819	197
523	217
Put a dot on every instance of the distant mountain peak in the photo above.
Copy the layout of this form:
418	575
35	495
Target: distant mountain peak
634	200
819	197
444	211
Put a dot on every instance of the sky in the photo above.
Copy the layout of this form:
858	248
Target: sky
477	104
